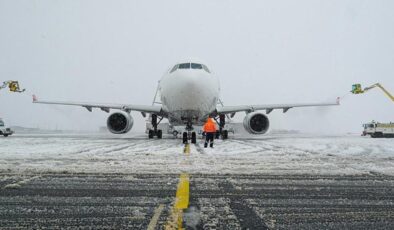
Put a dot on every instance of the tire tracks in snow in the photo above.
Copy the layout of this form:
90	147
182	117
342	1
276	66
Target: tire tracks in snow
255	146
199	148
111	148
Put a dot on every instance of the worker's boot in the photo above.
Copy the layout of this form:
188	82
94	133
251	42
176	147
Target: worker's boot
211	145
205	144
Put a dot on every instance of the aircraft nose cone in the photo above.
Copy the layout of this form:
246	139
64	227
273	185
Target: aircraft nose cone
191	90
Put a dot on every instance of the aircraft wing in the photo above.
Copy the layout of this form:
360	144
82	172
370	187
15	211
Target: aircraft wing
269	107
105	106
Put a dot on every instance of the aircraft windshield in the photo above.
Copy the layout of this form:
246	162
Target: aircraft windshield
196	66
206	68
184	66
190	66
1	123
174	68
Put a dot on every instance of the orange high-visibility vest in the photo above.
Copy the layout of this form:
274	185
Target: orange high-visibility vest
210	126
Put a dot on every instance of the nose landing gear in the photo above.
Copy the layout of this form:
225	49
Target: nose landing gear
189	134
192	136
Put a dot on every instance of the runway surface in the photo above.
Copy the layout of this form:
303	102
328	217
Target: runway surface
274	182
135	201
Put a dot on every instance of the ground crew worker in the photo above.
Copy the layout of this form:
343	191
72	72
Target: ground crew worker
210	131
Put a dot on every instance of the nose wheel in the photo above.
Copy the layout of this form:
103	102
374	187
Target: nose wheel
185	138
192	136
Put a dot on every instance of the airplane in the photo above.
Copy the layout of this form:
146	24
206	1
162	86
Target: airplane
189	94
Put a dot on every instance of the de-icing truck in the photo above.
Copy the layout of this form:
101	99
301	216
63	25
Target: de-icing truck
376	129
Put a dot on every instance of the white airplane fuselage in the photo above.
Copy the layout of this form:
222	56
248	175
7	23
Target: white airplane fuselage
189	95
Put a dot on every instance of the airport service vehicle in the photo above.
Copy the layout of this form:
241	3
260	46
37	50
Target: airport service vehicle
376	129
4	130
189	94
357	89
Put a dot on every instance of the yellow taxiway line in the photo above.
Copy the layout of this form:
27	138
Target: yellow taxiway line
182	193
186	150
181	200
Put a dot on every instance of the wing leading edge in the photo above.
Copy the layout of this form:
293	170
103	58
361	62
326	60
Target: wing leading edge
269	107
106	107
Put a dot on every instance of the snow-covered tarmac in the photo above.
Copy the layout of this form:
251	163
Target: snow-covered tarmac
270	154
130	182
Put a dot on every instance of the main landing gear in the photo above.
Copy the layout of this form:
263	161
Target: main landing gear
155	131
222	132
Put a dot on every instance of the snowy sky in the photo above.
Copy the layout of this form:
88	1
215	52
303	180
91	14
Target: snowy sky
262	51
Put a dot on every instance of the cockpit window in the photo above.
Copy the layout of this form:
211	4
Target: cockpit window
196	66
184	66
174	68
206	68
190	65
1	123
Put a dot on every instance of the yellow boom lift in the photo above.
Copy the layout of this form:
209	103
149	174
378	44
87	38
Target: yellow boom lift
13	86
356	89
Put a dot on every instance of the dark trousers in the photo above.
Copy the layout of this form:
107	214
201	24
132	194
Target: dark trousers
208	138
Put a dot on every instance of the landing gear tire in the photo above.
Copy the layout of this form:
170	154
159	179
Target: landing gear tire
159	134
185	138
225	134
150	134
194	138
222	120
217	134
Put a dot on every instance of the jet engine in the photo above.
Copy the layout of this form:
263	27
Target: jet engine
120	122
256	123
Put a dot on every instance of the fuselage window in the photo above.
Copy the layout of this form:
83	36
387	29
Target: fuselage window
196	66
174	68
184	66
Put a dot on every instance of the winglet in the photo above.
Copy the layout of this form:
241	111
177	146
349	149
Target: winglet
34	98
338	100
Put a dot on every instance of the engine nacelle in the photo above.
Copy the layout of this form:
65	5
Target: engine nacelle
256	123
120	122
